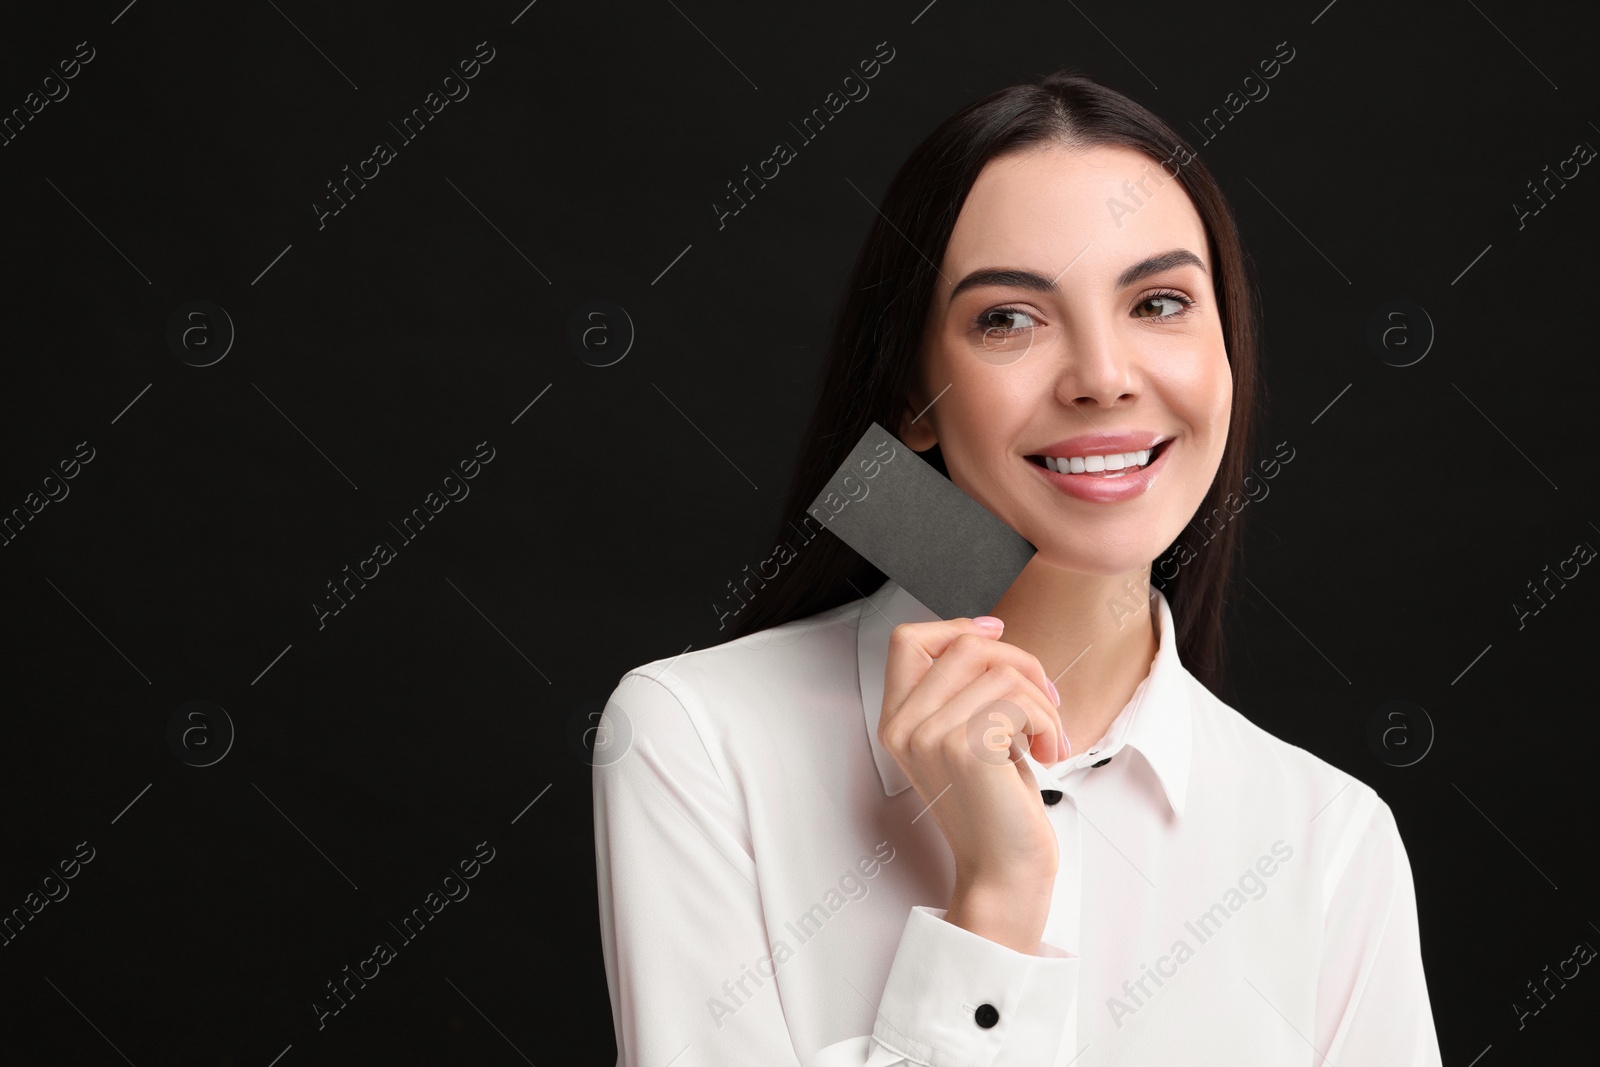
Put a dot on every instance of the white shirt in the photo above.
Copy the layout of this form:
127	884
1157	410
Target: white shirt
772	894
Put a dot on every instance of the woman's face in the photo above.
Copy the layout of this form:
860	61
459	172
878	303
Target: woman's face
1073	344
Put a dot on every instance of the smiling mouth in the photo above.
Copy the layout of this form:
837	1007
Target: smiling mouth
1104	465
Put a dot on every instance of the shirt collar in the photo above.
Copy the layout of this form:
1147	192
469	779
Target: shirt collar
1157	721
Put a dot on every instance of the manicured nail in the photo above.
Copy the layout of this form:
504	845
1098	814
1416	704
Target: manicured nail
1053	694
989	622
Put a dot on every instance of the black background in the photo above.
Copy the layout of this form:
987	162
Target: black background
372	354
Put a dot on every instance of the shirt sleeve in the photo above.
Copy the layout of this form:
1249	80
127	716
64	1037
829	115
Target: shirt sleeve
1372	995
688	964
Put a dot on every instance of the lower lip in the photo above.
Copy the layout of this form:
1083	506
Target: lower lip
1098	489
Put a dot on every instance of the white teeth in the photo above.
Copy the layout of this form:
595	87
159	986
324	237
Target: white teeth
1095	464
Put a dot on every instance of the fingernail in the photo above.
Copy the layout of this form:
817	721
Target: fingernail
1053	694
989	622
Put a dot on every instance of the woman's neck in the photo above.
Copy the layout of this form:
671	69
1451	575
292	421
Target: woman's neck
1095	637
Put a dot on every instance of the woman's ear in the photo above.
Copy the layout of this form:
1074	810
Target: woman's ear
918	435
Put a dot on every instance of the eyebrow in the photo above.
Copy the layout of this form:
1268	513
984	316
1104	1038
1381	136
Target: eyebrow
1038	283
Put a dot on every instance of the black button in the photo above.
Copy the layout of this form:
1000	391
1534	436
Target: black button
1102	763
987	1016
1051	796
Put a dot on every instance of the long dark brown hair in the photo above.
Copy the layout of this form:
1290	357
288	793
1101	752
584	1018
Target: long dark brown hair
877	332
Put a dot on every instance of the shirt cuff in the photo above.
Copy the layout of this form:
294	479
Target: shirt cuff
954	997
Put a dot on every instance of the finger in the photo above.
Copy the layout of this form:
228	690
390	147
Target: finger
1027	773
959	649
912	649
994	708
957	664
916	686
922	642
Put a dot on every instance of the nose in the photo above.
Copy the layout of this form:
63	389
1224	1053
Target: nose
1098	366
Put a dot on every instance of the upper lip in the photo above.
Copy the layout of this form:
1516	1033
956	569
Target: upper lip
1099	444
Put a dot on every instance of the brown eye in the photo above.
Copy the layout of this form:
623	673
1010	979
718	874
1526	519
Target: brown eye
995	321
1165	297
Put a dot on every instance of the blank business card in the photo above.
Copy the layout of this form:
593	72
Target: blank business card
920	529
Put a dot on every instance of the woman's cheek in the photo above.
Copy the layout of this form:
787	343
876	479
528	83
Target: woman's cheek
1211	393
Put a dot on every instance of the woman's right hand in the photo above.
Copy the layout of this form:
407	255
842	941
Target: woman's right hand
956	727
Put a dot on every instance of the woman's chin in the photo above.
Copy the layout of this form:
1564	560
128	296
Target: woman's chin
1103	563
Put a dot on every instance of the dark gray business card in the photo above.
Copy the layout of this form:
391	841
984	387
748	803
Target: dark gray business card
920	529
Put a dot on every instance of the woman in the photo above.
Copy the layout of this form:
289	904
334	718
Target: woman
1115	866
